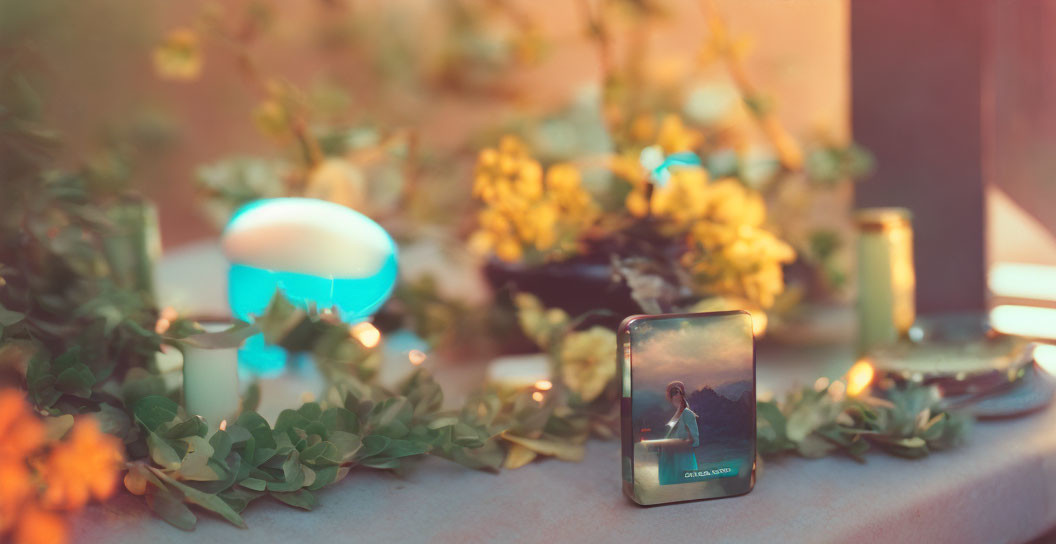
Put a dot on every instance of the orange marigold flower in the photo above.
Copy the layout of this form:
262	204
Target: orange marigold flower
20	431
15	489
37	526
84	466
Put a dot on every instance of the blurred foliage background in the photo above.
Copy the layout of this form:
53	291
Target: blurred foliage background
454	73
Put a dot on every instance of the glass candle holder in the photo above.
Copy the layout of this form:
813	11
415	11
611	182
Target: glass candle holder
886	277
316	253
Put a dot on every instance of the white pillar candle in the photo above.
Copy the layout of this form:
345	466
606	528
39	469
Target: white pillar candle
210	380
519	371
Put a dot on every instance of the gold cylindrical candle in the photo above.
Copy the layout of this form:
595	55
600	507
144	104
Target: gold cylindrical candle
886	277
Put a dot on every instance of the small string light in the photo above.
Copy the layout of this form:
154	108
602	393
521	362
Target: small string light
537	396
223	425
859	377
416	357
544	385
366	333
165	320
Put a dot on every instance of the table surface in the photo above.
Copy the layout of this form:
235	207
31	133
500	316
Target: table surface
1000	487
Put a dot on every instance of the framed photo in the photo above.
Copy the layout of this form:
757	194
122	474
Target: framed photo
688	406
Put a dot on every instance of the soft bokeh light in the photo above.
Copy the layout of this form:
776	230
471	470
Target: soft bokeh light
1024	321
859	377
1045	356
416	356
837	390
165	320
518	371
821	383
759	322
366	333
544	385
537	396
223	425
1019	280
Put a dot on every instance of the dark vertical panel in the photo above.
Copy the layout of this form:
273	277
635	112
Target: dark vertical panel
916	74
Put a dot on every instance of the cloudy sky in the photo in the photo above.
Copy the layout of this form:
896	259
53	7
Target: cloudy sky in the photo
700	351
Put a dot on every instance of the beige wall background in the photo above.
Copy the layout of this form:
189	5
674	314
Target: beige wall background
100	75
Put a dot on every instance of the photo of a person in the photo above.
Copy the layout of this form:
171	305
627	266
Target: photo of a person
676	449
691	413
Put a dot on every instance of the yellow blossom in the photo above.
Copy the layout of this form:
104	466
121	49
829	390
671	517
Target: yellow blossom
179	56
730	251
739	260
734	204
674	136
684	199
537	323
588	361
337	180
525	207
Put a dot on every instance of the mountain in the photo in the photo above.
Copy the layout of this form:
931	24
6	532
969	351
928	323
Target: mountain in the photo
728	413
734	390
718	415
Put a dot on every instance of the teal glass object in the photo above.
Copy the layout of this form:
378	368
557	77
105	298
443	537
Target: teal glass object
355	286
662	174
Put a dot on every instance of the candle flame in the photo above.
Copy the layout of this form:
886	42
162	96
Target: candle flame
544	385
537	396
223	425
366	333
416	357
859	377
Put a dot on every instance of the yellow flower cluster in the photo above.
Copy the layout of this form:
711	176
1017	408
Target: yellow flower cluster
526	210
672	135
41	474
685	199
731	252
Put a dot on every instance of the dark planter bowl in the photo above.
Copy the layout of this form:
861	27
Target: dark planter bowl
577	286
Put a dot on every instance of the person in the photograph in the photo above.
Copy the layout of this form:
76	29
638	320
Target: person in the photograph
676	450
